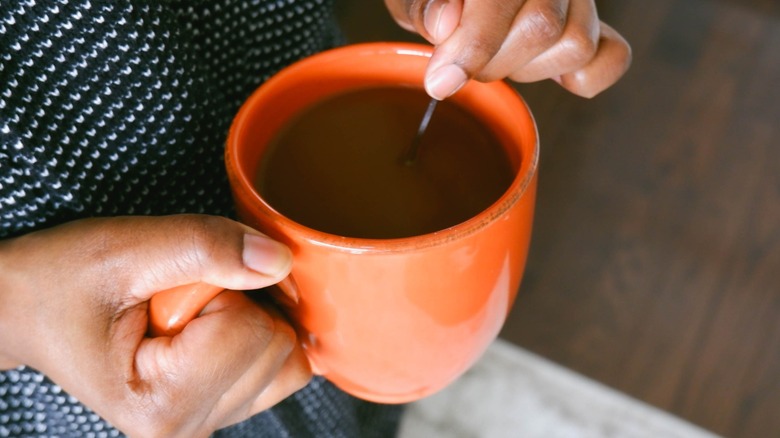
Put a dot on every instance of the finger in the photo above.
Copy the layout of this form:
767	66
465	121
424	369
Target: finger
208	249
612	59
294	375
404	12
483	27
231	330
557	50
434	20
196	370
277	371
440	19
288	378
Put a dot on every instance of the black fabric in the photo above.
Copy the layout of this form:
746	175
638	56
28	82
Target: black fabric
122	107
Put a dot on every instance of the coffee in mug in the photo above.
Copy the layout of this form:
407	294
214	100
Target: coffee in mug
339	167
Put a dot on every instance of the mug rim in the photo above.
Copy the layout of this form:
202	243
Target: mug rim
242	182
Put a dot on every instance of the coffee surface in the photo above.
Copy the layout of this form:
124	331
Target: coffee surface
338	167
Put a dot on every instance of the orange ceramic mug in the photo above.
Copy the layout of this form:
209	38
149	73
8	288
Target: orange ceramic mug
392	320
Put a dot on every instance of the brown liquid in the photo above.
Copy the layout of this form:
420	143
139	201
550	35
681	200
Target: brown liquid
338	167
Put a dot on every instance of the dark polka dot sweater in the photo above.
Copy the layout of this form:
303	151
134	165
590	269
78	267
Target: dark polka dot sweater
122	107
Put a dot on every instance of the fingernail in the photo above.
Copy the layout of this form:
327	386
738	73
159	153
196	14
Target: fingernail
440	20
445	81
266	255
289	287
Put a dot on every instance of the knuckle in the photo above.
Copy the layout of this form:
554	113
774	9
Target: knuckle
205	235
580	46
544	25
286	336
476	53
262	328
278	336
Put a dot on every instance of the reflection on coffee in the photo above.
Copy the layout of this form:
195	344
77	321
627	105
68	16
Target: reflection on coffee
338	166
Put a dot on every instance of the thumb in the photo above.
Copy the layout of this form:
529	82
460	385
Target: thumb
189	249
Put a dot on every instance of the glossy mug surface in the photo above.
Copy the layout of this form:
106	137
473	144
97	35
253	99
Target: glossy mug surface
387	320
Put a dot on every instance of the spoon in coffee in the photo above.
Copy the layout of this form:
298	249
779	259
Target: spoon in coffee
410	155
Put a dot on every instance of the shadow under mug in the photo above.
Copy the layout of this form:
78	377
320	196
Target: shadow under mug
393	320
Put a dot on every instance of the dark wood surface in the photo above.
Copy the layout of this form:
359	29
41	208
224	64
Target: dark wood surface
655	263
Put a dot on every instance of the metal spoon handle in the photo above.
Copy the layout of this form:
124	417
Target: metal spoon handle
410	156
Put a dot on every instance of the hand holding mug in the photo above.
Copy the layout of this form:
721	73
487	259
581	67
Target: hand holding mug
73	304
389	320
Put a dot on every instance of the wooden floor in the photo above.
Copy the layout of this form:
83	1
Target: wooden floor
655	265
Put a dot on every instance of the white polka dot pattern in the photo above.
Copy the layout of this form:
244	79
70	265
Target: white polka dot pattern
122	107
111	108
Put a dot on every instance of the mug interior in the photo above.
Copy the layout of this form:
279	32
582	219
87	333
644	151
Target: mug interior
350	68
